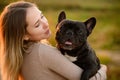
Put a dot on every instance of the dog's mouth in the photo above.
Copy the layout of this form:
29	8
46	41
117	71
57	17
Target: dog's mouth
67	45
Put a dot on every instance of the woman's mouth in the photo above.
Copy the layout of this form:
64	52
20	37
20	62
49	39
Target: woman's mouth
47	31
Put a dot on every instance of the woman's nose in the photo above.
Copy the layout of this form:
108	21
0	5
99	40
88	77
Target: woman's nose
45	23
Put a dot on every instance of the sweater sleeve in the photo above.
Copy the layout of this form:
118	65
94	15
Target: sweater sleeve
56	62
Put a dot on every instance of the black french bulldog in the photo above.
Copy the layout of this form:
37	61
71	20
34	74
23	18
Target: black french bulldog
71	38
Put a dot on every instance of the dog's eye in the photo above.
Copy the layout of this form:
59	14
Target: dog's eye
80	33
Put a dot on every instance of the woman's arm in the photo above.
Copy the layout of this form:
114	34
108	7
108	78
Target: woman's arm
60	64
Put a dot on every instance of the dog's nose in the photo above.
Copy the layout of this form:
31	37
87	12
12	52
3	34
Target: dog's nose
69	33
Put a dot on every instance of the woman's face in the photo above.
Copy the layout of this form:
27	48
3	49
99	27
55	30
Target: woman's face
38	27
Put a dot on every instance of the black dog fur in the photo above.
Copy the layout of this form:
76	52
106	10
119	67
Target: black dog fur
71	38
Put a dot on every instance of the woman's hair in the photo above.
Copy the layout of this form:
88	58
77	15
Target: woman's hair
12	30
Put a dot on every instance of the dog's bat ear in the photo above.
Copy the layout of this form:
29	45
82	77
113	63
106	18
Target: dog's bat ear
90	24
61	16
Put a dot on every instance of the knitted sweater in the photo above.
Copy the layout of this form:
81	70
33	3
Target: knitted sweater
44	62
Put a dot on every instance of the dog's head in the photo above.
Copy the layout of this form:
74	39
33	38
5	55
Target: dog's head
71	34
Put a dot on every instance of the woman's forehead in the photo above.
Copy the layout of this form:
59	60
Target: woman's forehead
33	14
33	11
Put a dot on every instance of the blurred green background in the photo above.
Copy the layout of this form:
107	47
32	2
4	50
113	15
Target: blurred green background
105	38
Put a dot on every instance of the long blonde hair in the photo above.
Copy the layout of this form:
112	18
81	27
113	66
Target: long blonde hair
12	30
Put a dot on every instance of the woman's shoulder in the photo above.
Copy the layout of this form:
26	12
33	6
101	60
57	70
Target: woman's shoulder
44	47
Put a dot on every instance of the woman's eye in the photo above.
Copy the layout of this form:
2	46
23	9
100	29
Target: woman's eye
42	16
37	25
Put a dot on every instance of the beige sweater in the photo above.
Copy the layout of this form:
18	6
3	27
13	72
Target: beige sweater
44	62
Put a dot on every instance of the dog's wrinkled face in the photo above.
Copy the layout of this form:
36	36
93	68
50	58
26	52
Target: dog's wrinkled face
71	34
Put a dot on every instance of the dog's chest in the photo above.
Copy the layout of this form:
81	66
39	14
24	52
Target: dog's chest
71	58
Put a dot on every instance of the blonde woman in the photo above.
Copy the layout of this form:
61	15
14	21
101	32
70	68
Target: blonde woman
22	26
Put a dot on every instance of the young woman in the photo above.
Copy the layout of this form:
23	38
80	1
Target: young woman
22	27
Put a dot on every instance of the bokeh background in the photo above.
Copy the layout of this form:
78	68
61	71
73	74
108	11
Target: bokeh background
105	38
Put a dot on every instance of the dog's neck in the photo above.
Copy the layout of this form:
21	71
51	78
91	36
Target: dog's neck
80	51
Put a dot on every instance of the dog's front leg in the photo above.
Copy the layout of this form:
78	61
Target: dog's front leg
87	74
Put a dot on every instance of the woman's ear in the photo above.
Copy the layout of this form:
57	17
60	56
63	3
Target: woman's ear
26	37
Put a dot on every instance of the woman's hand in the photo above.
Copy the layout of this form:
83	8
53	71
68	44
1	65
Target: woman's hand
101	74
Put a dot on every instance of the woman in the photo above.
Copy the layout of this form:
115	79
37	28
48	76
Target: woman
22	27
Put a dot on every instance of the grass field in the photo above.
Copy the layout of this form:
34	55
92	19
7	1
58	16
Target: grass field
107	31
106	34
